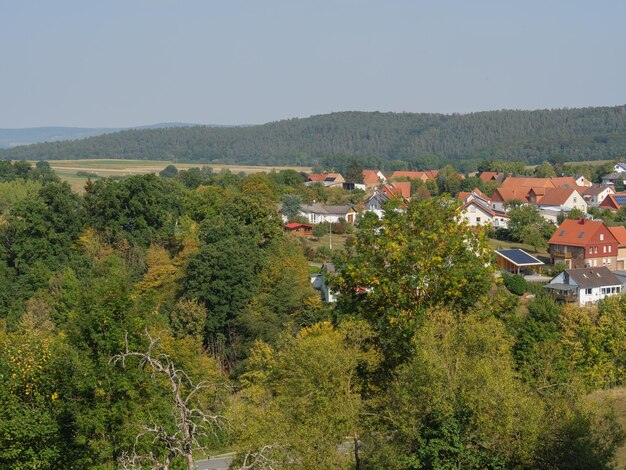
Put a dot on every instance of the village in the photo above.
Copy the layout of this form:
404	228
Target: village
586	259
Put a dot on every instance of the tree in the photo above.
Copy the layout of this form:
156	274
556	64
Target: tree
192	418
441	407
291	205
545	170
412	260
354	172
527	226
170	171
301	399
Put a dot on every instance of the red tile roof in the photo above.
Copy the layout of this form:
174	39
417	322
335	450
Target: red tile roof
611	203
416	175
487	176
294	225
370	177
556	197
620	235
575	232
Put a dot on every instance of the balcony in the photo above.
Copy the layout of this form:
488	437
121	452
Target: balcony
564	296
560	253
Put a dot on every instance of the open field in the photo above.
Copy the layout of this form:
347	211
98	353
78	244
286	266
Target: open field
68	169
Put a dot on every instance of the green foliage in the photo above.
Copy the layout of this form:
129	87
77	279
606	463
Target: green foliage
527	226
442	402
291	205
170	171
515	283
409	261
354	172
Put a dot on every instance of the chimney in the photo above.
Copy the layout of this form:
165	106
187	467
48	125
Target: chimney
582	221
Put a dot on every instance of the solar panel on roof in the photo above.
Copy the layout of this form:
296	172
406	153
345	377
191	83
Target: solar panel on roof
621	200
519	257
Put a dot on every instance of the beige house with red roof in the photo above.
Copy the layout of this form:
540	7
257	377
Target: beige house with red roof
562	199
583	243
327	179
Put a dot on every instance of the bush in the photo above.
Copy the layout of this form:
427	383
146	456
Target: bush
320	230
324	253
515	283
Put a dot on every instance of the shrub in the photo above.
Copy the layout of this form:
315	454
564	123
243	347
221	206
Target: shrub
515	283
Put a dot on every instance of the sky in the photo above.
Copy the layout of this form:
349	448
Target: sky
118	63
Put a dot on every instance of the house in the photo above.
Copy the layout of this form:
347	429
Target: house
502	197
398	190
327	179
562	199
428	175
620	235
466	196
303	230
317	213
372	178
489	176
476	213
585	285
582	181
617	178
583	243
619	167
517	261
595	195
613	202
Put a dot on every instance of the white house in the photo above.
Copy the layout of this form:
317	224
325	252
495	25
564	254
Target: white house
596	194
585	285
619	167
562	199
318	213
582	181
476	213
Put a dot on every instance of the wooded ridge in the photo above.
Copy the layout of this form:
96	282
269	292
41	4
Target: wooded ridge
389	140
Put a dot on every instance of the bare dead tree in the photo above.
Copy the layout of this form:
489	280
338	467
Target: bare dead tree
191	420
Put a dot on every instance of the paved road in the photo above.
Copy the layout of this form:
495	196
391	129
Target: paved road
219	462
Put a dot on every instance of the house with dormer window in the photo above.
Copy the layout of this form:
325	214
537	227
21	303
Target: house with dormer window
583	243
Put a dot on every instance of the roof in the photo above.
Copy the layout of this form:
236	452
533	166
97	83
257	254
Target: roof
596	190
401	189
320	177
485	208
620	234
370	177
519	257
510	194
528	182
317	208
614	201
575	232
587	278
614	176
487	176
556	197
414	175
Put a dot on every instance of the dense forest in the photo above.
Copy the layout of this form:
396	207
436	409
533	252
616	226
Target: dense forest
153	321
387	140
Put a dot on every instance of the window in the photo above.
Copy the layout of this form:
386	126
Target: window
601	237
581	234
603	261
591	250
604	249
595	249
574	199
608	261
609	248
603	290
561	233
477	219
588	291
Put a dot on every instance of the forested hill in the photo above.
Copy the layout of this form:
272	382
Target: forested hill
391	140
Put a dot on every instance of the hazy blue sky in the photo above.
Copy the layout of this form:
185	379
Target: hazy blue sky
132	62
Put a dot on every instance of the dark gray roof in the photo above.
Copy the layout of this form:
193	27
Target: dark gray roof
317	208
614	176
595	190
593	277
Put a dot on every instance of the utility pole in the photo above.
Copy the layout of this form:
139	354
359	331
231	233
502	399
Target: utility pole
330	236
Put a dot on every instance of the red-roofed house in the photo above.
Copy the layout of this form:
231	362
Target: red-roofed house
398	190
372	178
327	179
595	195
303	230
620	235
613	202
583	243
562	199
488	176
